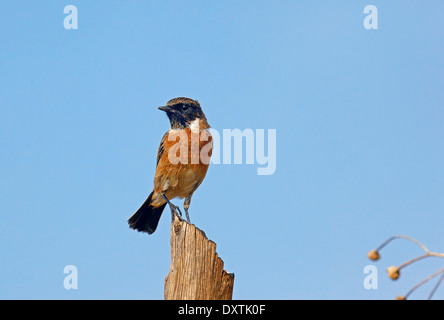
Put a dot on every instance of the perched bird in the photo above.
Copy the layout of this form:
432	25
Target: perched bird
182	163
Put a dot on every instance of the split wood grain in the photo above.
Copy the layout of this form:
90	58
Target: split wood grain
196	271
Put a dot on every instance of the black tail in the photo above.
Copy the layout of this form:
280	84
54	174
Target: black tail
147	217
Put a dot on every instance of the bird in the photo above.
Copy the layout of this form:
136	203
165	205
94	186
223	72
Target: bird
182	163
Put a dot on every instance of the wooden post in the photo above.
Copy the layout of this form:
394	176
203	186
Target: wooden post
196	271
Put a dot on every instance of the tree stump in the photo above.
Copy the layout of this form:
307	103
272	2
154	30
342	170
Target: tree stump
196	271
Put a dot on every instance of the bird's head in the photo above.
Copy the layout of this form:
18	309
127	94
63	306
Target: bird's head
183	113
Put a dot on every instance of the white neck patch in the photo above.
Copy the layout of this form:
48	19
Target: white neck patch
194	125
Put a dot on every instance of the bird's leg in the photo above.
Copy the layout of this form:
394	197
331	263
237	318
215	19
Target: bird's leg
175	210
186	205
188	216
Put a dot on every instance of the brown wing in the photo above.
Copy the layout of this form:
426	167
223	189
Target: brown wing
161	148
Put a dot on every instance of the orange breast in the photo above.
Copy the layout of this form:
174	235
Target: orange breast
183	164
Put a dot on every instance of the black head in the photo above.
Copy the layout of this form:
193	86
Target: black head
183	111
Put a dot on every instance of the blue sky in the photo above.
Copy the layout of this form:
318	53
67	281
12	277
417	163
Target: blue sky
359	120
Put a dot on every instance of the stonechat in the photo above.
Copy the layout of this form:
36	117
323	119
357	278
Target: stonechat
182	163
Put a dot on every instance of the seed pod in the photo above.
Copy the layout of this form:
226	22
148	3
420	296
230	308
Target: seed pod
373	255
393	272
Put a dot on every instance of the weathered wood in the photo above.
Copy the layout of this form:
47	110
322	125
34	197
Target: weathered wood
196	271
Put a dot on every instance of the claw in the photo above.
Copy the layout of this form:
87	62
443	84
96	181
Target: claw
175	211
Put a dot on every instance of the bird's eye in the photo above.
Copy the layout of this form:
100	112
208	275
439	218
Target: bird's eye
184	107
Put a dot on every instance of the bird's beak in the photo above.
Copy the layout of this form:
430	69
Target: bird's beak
165	108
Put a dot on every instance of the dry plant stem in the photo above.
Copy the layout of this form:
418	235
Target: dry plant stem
436	286
414	260
423	247
426	255
426	280
429	254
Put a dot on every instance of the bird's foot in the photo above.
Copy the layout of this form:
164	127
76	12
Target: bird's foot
175	212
